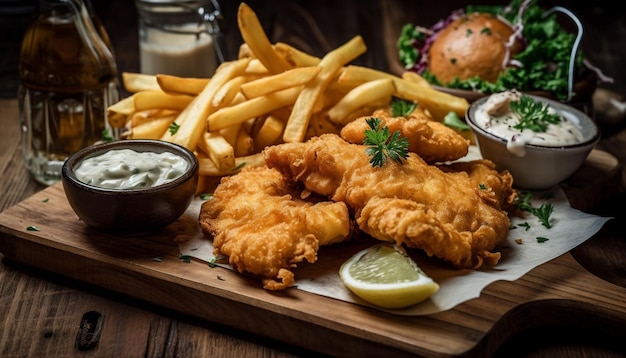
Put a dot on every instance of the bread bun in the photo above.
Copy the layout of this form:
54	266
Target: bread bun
472	45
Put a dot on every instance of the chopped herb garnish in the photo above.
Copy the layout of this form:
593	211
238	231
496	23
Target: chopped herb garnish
185	258
542	213
482	187
174	128
212	263
32	228
157	259
452	120
533	115
45	200
239	166
382	144
402	108
524	225
206	196
541	239
486	31
106	136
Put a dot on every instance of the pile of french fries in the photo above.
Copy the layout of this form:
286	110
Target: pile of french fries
270	94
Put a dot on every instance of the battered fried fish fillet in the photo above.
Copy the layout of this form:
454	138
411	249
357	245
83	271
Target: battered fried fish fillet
446	214
431	140
266	224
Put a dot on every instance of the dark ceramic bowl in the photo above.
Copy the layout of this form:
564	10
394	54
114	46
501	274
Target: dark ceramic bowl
130	211
542	166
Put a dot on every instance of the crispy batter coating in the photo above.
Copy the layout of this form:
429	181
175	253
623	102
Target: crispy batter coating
431	140
266	224
445	213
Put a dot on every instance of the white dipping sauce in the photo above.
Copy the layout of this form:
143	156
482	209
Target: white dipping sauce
496	117
186	55
128	169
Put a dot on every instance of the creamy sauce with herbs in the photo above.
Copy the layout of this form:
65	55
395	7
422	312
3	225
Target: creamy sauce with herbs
497	118
128	169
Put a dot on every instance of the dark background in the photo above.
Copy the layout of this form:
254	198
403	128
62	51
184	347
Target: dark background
291	21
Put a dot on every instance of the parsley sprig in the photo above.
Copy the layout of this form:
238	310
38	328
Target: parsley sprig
533	115
382	144
542	213
402	108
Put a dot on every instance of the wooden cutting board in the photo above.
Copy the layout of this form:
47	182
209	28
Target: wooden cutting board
149	268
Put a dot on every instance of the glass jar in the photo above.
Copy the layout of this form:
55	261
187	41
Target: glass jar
179	37
68	78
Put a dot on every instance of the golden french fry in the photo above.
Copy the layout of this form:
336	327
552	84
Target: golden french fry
361	96
230	133
294	56
152	129
270	133
153	99
290	78
227	92
320	124
137	82
253	34
181	85
218	150
193	119
207	167
415	77
141	117
438	103
332	62
255	67
244	145
119	112
253	108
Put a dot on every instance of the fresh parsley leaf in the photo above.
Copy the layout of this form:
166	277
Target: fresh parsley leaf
524	225
541	239
32	228
382	144
185	258
533	115
402	108
542	213
453	121
174	128
106	136
206	196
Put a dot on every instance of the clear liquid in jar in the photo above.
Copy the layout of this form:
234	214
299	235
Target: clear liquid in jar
63	96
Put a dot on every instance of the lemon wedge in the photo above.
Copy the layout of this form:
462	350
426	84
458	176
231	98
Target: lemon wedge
386	277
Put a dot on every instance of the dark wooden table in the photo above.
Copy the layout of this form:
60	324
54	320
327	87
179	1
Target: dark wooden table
40	312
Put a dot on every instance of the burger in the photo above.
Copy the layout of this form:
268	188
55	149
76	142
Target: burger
474	45
489	49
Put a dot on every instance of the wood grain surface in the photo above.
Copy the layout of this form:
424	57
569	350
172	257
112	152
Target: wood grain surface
65	245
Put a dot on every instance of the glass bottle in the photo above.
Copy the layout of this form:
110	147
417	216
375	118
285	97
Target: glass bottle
180	37
68	78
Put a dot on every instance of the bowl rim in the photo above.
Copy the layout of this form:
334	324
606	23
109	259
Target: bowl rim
558	106
67	172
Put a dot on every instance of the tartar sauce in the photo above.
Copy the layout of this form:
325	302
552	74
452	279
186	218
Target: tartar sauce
129	169
496	117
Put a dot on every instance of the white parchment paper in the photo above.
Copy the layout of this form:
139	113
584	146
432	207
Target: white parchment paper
570	228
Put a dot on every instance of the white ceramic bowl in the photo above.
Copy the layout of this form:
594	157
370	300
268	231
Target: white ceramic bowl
541	167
